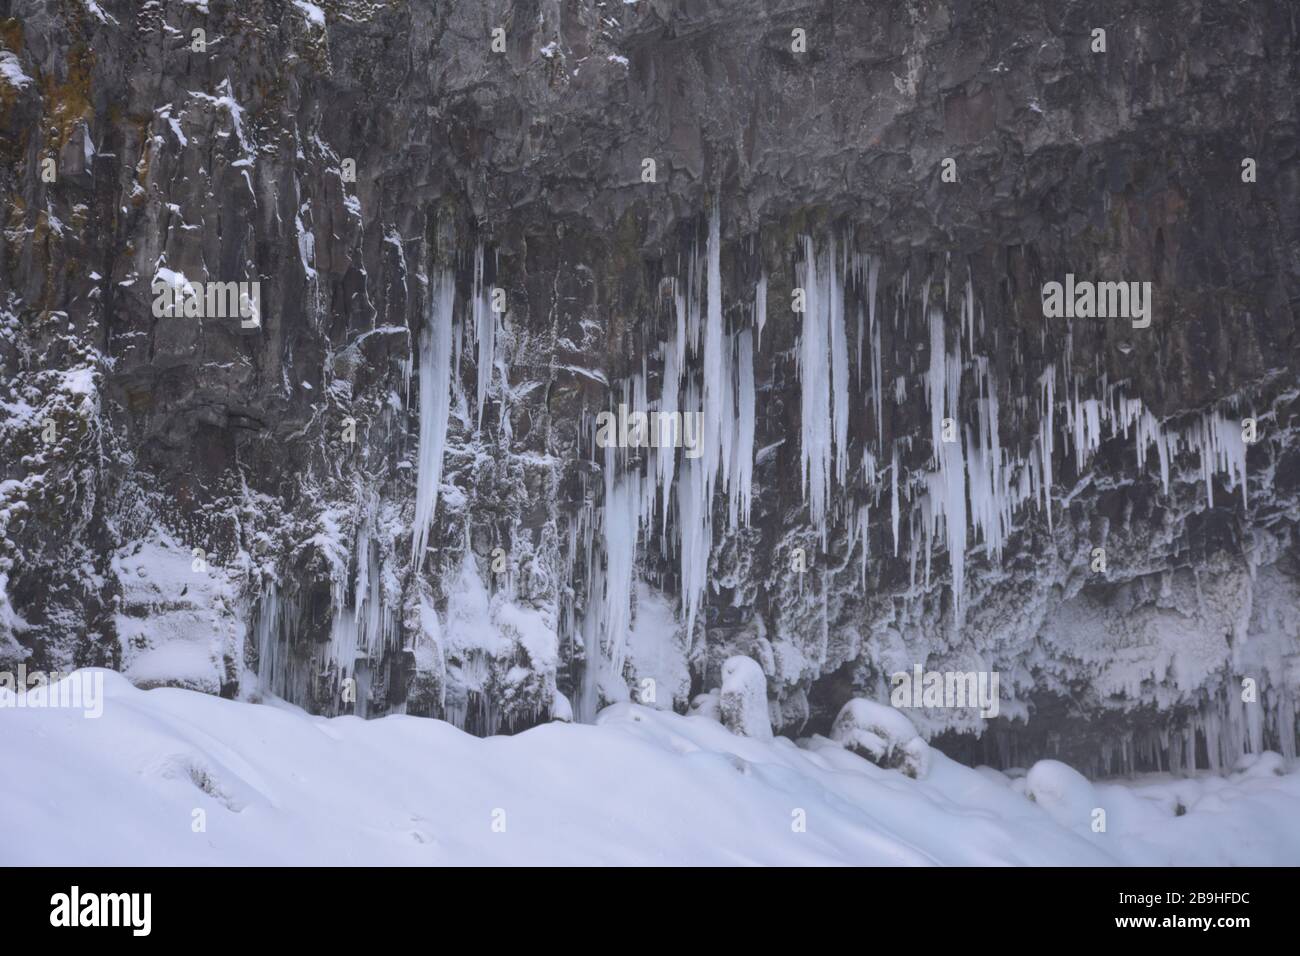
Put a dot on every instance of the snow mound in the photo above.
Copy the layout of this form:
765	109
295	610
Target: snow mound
882	735
706	705
277	786
744	698
1061	790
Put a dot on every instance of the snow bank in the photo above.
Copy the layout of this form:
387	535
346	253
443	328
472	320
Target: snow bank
276	786
882	735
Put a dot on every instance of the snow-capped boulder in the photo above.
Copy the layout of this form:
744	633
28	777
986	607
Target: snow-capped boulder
561	709
882	735
1063	792
744	698
1266	764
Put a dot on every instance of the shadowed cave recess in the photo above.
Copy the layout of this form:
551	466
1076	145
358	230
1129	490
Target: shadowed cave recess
389	495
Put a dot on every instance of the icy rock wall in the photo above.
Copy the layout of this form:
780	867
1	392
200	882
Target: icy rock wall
394	477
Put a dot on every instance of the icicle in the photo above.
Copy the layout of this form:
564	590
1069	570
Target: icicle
894	506
267	632
936	382
666	457
991	498
717	367
484	323
861	337
823	372
946	501
343	650
741	497
693	305
839	367
727	418
864	517
376	623
760	306
877	379
814	373
1222	449
679	340
435	407
620	526
695	526
1084	419
969	309
1046	436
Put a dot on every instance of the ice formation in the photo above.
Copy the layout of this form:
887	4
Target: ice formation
972	494
484	322
656	528
435	407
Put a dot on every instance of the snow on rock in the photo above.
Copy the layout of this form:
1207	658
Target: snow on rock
11	70
744	698
426	644
179	624
640	786
1063	792
882	735
312	12
656	662
561	709
10	625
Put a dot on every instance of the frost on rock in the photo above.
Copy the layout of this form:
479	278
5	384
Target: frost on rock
743	703
882	735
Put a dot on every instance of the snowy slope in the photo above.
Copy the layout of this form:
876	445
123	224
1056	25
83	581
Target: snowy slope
641	786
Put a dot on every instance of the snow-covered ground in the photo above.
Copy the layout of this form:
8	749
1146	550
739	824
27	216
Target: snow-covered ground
276	786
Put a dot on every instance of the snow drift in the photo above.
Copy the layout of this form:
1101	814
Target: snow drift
170	776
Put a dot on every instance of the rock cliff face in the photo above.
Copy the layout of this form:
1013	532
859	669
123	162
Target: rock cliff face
821	230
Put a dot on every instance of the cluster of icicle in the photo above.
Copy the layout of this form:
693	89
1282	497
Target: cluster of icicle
973	492
708	371
364	621
363	629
